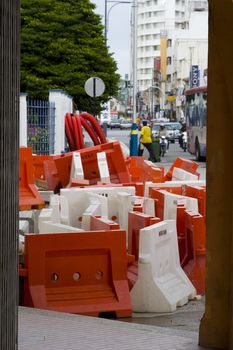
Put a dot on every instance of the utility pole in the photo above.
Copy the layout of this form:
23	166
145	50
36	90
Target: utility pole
134	129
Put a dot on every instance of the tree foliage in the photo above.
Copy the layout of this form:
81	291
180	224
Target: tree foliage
62	45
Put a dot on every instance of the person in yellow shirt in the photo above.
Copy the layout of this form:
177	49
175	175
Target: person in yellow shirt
146	141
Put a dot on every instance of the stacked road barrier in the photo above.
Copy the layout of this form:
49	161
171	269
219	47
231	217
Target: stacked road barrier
110	234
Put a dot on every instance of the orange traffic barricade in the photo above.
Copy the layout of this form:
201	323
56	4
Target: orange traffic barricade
116	164
29	197
185	164
142	170
82	273
200	194
195	270
98	223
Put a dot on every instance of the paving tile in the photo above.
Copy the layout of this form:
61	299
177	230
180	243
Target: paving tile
43	330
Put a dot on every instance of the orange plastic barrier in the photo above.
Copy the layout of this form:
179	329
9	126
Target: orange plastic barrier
98	223
138	204
141	170
116	164
185	164
158	197
29	197
81	273
200	194
136	222
195	269
171	189
38	166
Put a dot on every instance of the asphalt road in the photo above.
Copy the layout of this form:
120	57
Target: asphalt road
173	152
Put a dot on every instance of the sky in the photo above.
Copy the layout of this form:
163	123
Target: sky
118	33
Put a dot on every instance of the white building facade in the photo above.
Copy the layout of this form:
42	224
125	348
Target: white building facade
185	25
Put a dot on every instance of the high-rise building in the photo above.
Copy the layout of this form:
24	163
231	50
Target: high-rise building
160	23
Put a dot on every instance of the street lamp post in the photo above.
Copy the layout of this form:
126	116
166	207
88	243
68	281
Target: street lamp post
107	12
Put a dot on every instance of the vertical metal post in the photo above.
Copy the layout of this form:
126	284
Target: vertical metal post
9	165
134	129
105	19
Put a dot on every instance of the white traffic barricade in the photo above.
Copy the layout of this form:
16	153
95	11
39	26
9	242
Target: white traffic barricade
103	167
76	167
45	215
171	201
125	204
55	206
78	201
182	175
51	227
162	285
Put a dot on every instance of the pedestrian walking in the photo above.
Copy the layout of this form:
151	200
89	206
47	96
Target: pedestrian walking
146	141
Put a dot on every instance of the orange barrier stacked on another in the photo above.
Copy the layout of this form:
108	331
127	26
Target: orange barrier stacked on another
200	194
195	270
185	164
29	197
116	164
38	166
81	273
158	197
172	189
98	223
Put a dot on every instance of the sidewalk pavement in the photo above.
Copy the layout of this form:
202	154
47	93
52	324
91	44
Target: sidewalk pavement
44	330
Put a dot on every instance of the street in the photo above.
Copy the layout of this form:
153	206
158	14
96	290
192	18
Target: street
173	152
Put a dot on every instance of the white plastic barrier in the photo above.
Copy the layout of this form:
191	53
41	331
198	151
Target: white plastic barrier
92	210
125	204
46	195
23	227
149	206
55	206
45	215
149	184
103	167
171	201
78	201
162	285
76	167
50	227
182	175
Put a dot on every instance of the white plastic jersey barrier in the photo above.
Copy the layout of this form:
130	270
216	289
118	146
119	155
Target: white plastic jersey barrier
171	201
92	210
149	206
23	227
162	285
45	215
149	185
76	167
50	227
125	204
64	211
182	175
55	206
78	201
103	167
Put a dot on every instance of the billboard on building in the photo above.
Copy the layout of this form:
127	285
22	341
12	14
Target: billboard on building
195	76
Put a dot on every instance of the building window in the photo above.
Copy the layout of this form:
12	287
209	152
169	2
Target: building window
169	42
157	47
169	60
169	78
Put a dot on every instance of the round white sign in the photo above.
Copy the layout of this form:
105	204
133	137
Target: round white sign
94	87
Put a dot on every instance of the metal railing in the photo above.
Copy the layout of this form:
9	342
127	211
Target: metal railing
41	126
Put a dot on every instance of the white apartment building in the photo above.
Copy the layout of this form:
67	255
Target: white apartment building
185	23
155	16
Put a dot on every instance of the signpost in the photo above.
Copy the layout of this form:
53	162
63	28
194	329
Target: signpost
94	87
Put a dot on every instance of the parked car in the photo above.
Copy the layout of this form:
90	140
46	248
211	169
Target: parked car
176	127
125	124
169	131
115	123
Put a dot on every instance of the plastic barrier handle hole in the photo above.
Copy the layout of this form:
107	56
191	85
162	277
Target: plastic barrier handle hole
54	277
99	275
76	276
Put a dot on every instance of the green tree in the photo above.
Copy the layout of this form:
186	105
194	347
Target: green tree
62	45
